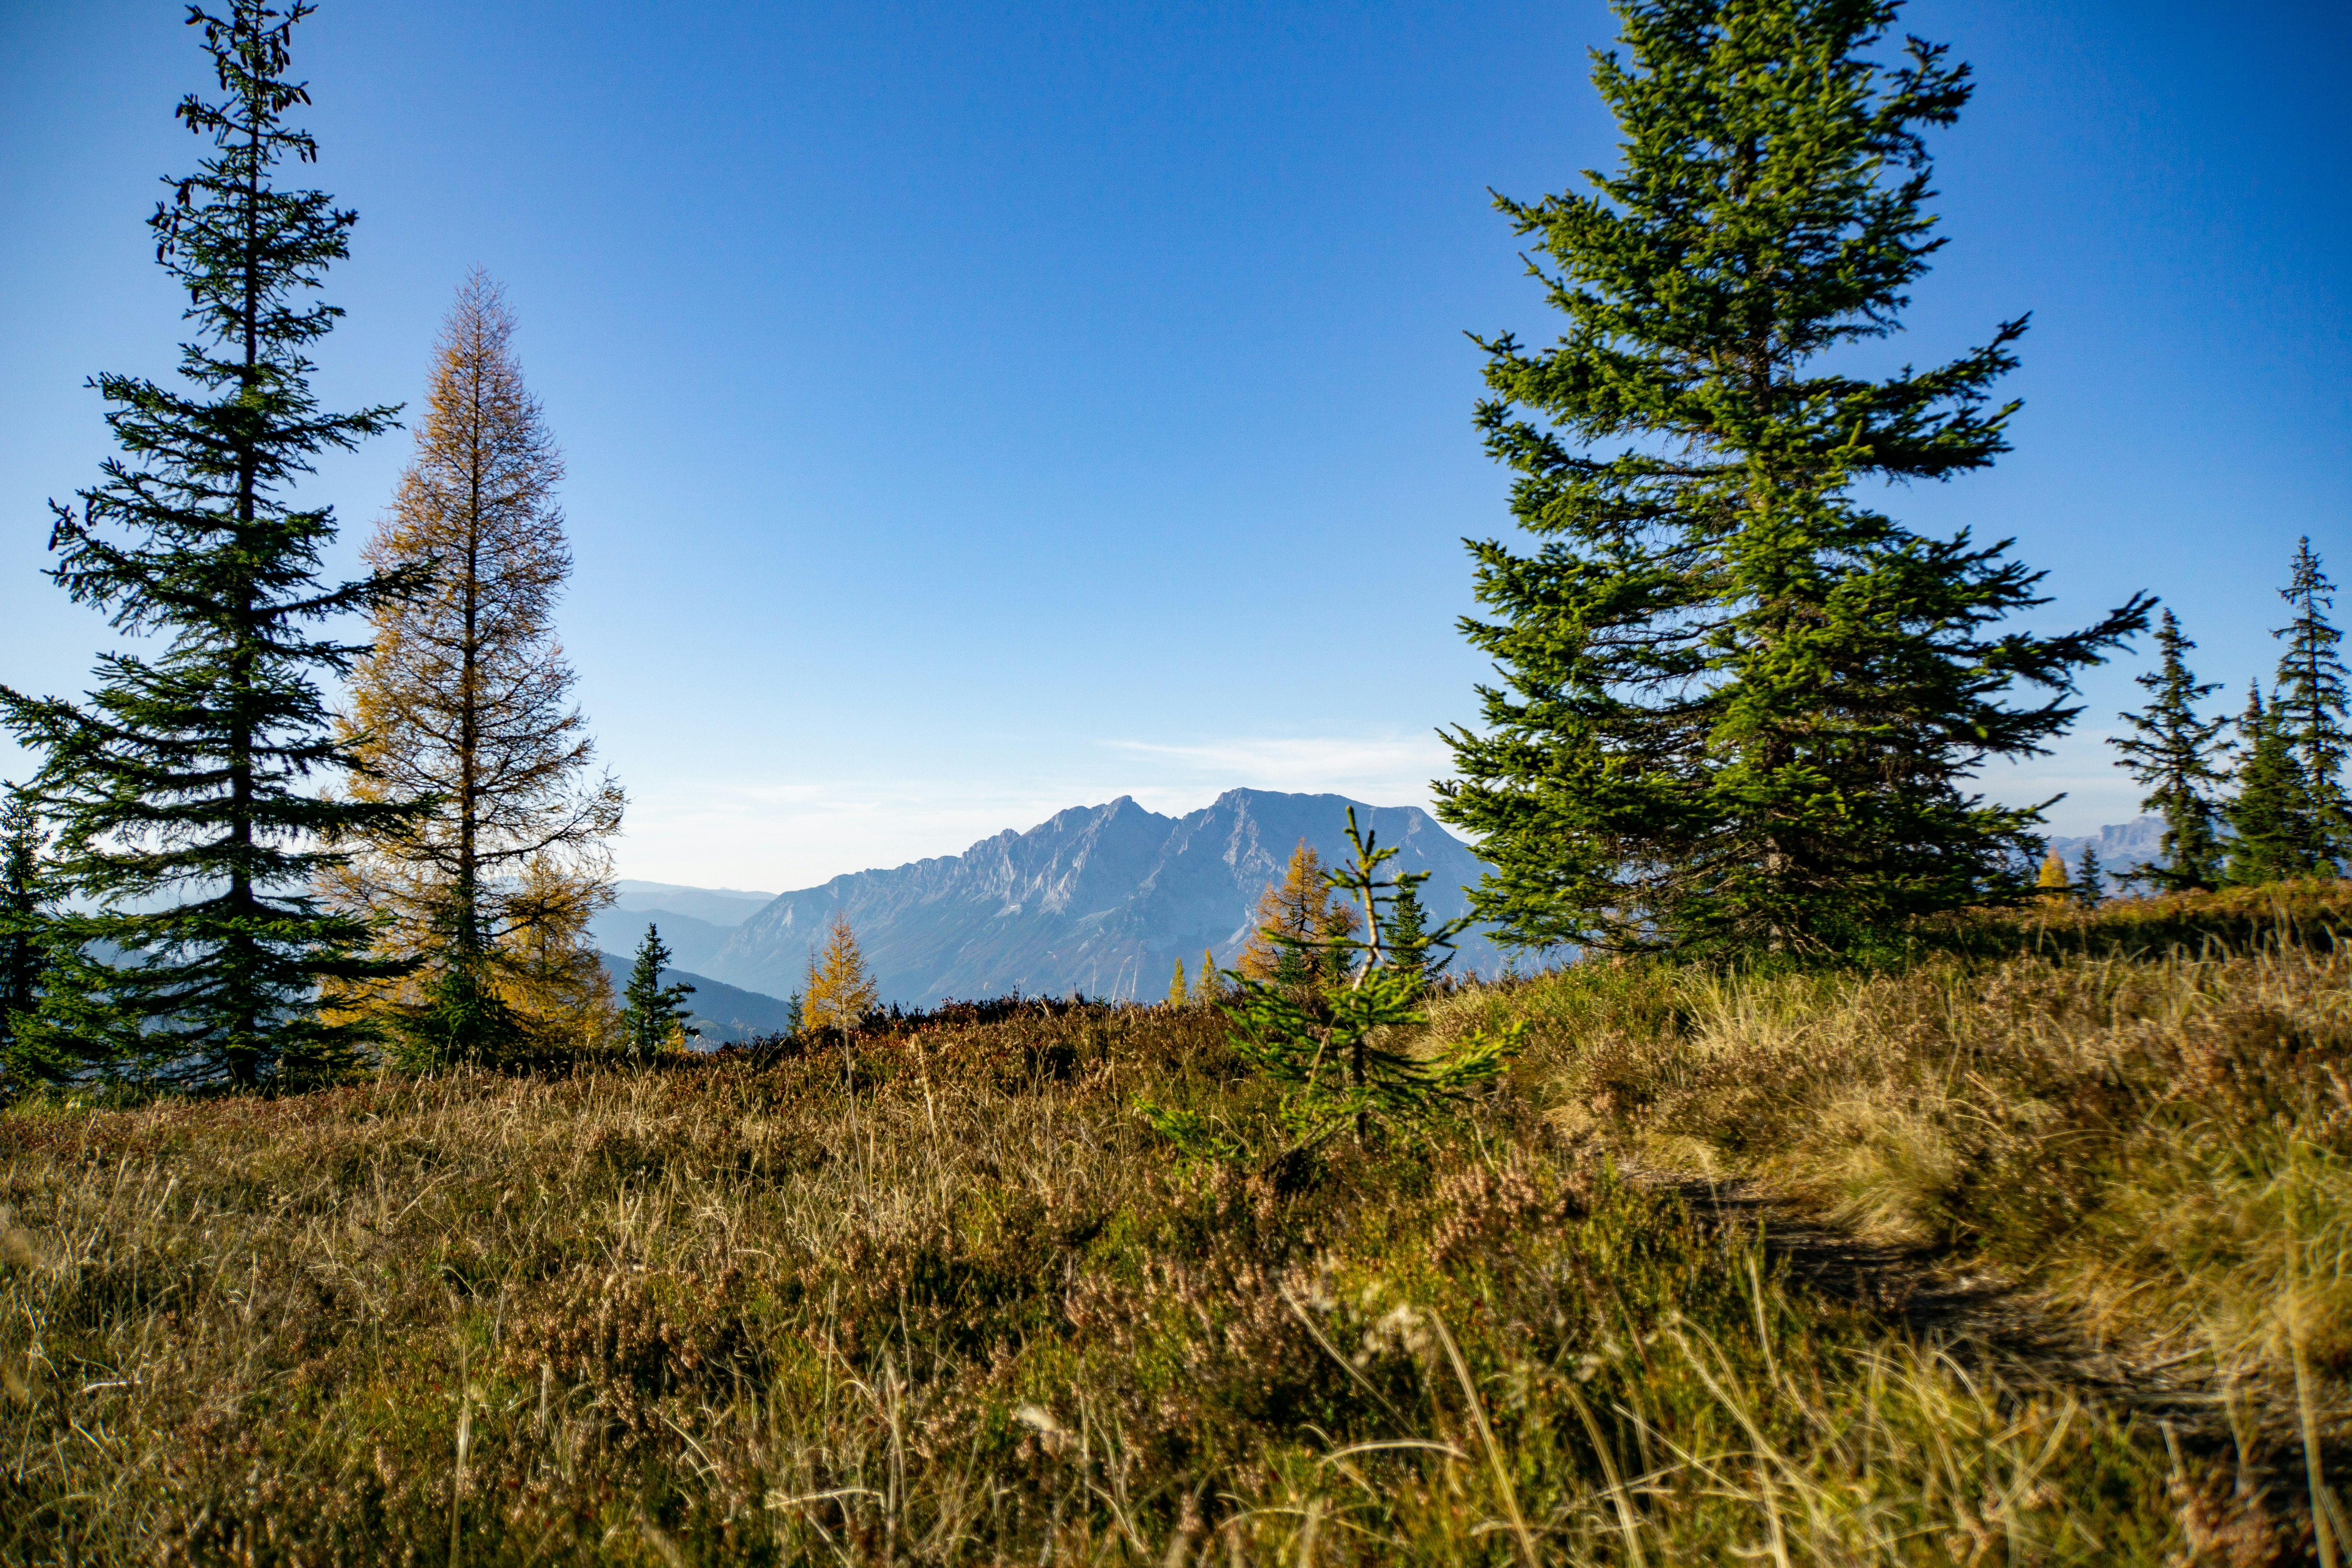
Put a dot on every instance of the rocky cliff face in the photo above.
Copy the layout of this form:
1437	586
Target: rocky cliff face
1102	899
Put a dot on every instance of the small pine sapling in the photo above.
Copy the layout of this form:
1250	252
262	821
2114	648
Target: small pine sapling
1341	1050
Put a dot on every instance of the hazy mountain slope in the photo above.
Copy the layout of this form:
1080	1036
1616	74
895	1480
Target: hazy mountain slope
1099	899
723	1012
723	907
692	943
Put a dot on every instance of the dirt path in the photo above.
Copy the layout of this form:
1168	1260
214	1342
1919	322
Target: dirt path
2019	1335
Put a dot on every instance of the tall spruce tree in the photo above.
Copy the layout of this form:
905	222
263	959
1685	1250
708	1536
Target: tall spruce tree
2271	836
2311	713
2171	754
184	790
1742	709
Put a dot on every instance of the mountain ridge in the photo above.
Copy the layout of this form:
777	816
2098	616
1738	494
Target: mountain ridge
1101	899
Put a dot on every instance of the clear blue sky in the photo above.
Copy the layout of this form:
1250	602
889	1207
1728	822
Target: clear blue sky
973	411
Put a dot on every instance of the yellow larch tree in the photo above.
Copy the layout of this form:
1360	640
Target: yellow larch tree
840	991
465	701
2052	881
1299	906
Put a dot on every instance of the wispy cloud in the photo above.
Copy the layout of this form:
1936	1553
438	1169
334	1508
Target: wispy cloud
1397	768
785	835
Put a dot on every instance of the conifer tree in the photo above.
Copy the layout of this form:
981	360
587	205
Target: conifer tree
465	701
183	792
2171	754
548	967
1209	987
2050	887
2270	835
1406	933
653	1015
2090	879
1295	922
24	917
1741	708
840	991
1178	993
2311	713
1342	1050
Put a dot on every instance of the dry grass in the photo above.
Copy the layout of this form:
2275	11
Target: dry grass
948	1298
2160	1141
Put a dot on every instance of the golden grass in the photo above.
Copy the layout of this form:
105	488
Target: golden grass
945	1298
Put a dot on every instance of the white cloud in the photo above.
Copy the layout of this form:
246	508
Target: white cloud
1386	770
782	835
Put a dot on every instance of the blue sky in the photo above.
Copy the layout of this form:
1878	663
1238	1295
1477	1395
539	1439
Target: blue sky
972	411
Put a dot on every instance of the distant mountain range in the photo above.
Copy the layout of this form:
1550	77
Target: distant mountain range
694	921
2119	847
1101	899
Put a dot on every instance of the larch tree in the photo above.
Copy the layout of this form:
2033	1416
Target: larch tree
1741	707
1208	985
2170	751
1177	993
1297	926
549	966
2311	711
2050	887
465	703
191	829
840	990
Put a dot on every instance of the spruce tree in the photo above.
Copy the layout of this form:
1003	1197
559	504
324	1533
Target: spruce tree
185	791
1741	708
2271	836
25	919
2090	879
1405	934
2171	754
652	1014
1342	1050
2311	713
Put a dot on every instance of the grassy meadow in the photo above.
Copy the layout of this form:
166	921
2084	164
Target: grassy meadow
939	1293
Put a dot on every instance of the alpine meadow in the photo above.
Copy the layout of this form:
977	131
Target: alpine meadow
1769	1128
